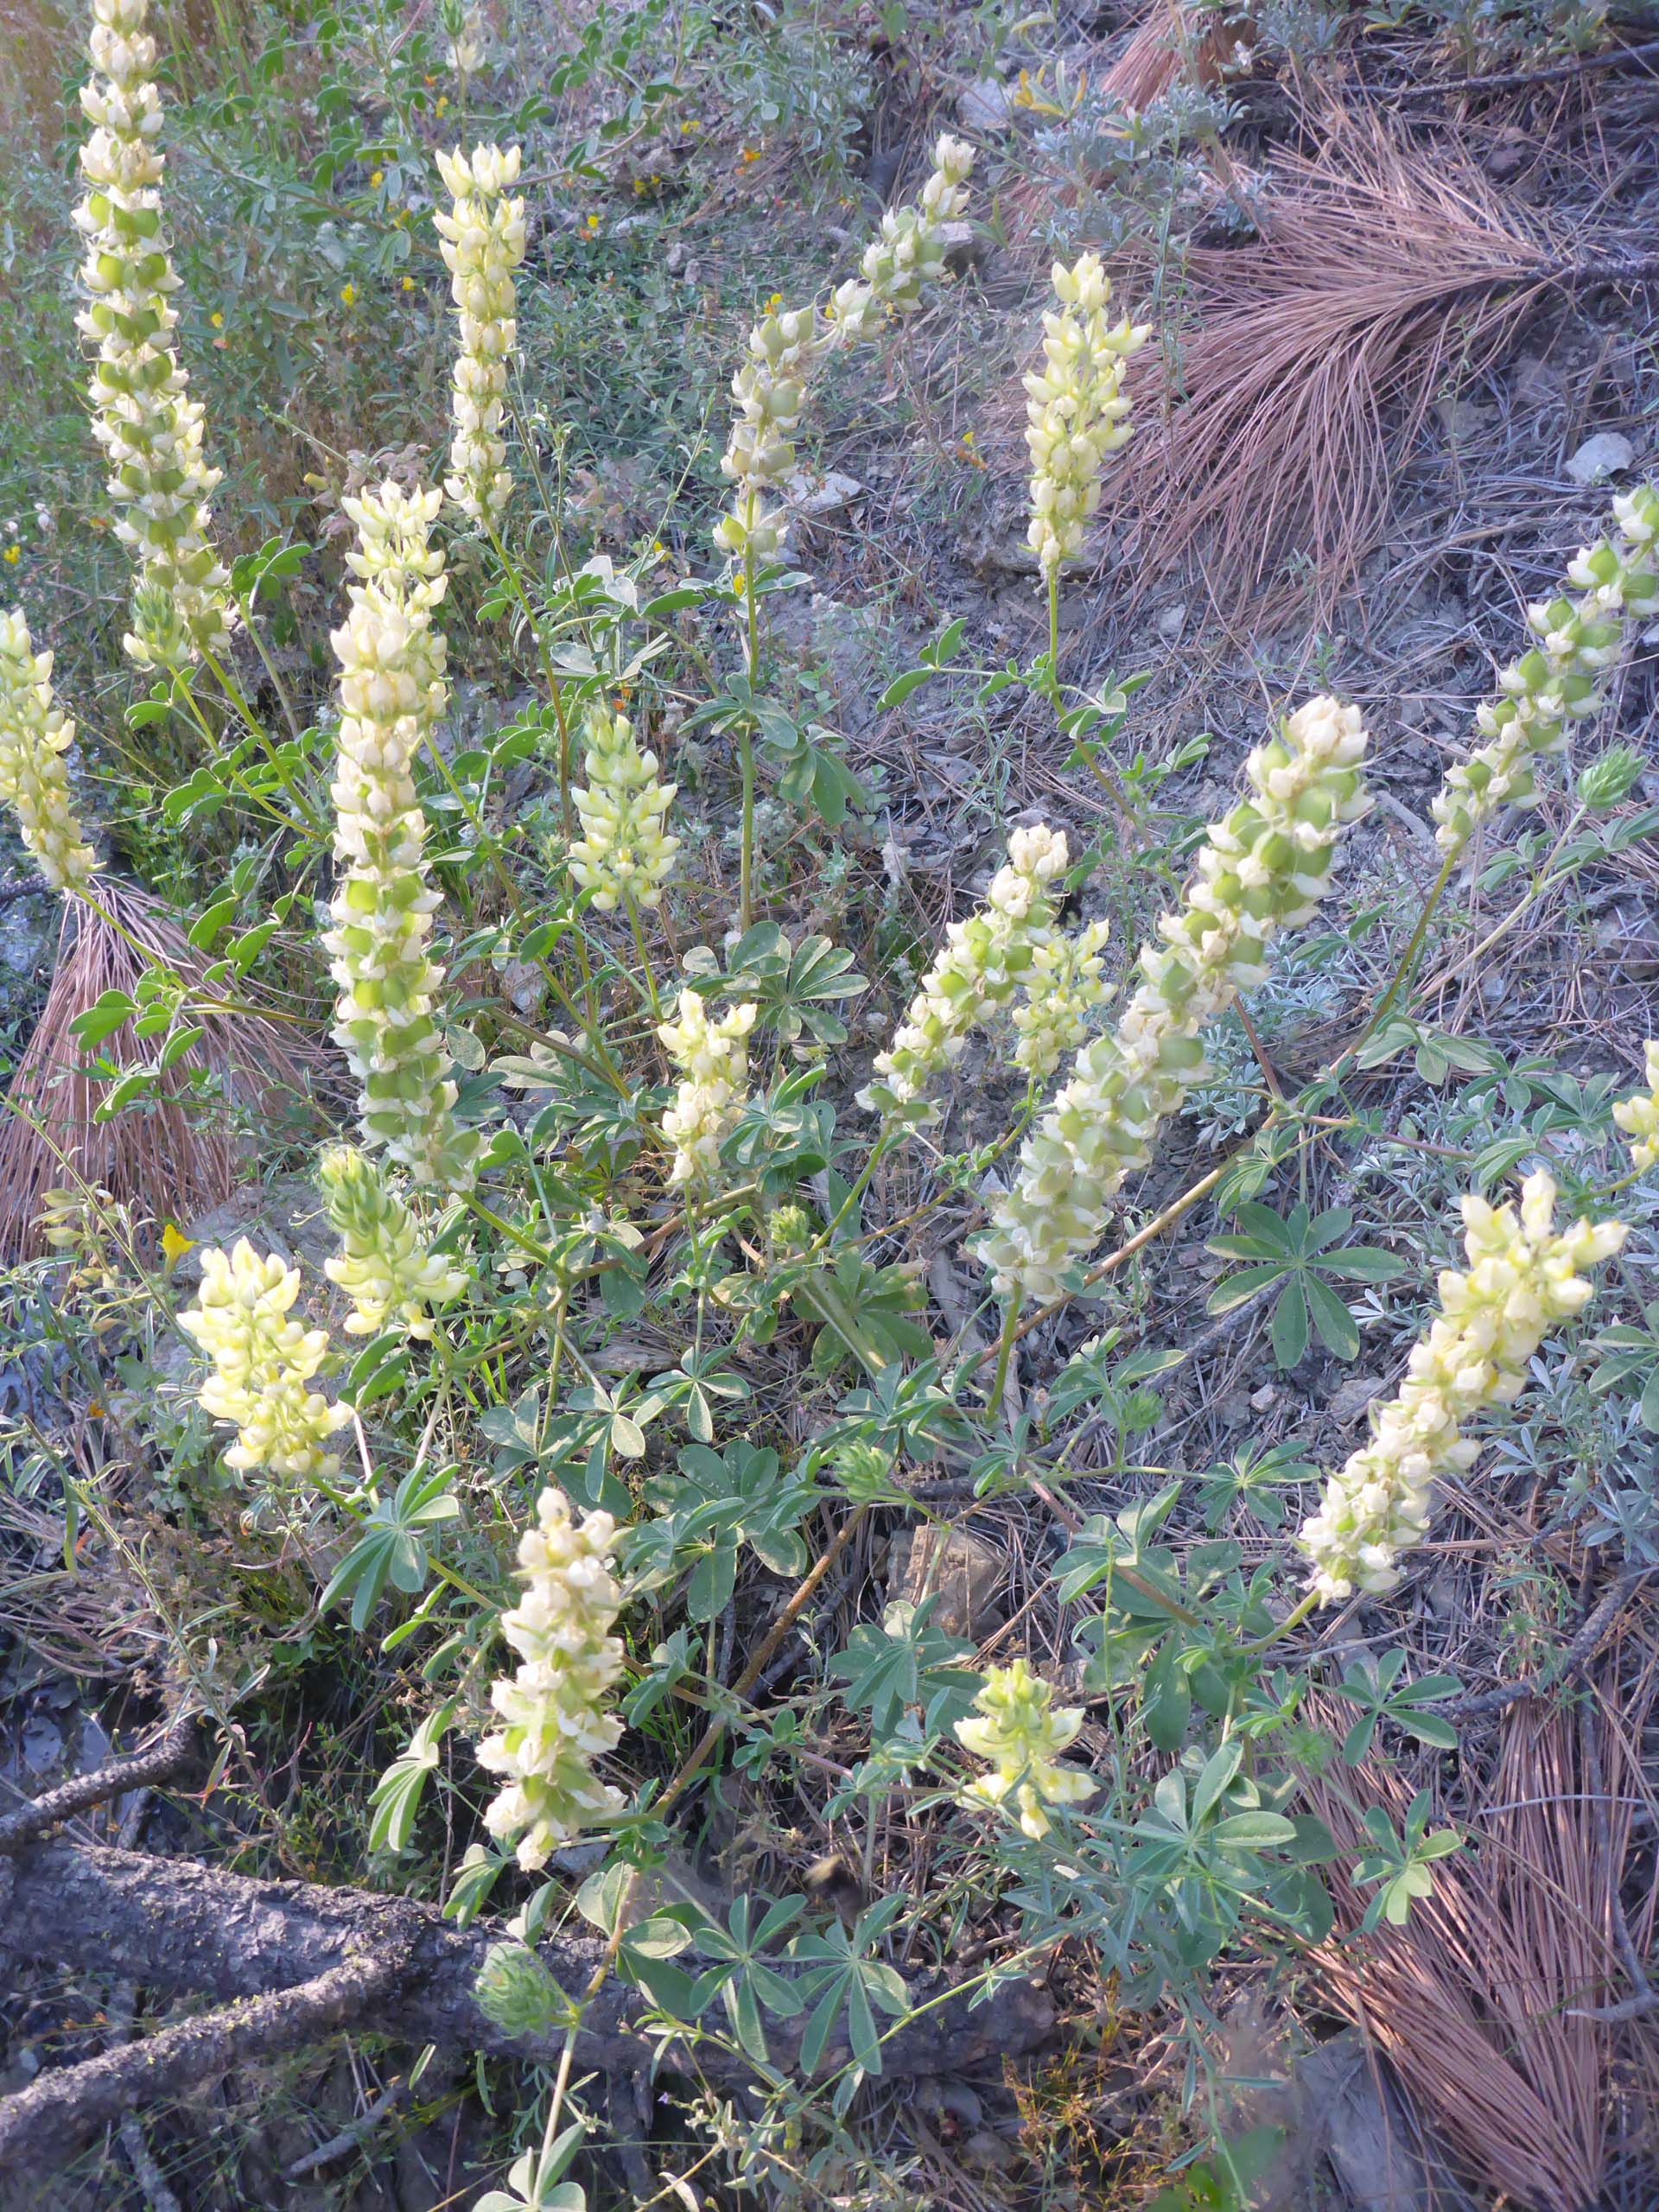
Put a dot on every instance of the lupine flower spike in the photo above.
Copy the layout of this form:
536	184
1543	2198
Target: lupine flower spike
1555	683
143	414
35	737
623	852
1077	410
784	347
984	961
1263	868
392	691
554	1706
483	243
1639	1116
1022	1734
385	1267
1524	1276
263	1362
714	1062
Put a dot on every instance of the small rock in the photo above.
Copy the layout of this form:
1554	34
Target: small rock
966	246
986	106
526	987
1233	1410
1459	418
1609	453
962	1570
676	257
285	1217
828	497
989	2152
1350	1399
1172	621
1261	1399
1006	556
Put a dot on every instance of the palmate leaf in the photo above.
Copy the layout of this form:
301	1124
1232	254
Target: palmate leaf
1297	1250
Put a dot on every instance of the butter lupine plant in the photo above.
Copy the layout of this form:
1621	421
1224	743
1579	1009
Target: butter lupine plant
683	1340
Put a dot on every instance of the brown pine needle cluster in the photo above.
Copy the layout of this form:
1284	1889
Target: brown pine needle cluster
172	1155
1478	2000
1312	361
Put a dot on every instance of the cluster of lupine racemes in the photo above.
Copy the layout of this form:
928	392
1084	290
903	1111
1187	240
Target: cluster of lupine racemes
1262	868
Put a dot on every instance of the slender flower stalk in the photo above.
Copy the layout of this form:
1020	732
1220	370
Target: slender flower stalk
554	1706
623	852
714	1063
385	1267
35	738
984	961
1076	410
1524	1276
143	414
391	689
1556	682
483	243
1638	1116
262	1363
1019	1729
1264	869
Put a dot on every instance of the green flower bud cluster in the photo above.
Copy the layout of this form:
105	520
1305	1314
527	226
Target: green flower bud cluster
784	347
1021	1733
1524	1276
984	961
384	1268
466	29
1261	869
1066	983
515	1993
1557	681
554	1706
483	243
391	691
35	737
1639	1116
143	414
263	1362
623	853
1077	410
713	1060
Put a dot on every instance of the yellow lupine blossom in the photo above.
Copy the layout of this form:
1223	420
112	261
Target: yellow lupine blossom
385	1267
784	347
984	961
1554	683
483	243
1019	1730
1639	1116
1524	1275
35	736
713	1062
1077	410
143	414
392	691
263	1362
1263	868
624	852
554	1706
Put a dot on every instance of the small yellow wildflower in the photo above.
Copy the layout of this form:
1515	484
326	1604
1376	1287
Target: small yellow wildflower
376	178
443	103
409	283
592	223
14	554
348	295
217	319
750	154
